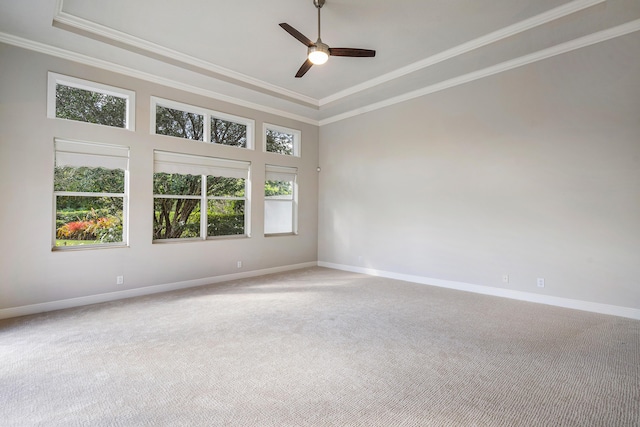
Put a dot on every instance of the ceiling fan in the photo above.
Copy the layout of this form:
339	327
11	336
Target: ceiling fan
318	52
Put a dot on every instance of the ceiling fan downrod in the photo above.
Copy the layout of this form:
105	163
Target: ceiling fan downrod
319	4
319	52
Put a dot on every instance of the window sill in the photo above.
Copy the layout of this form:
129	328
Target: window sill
197	239
88	247
280	234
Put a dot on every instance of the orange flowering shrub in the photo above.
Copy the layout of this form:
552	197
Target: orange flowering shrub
103	229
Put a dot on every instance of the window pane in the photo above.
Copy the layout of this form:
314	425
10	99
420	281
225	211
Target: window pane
220	186
92	107
278	216
225	217
82	220
176	218
278	190
279	142
90	180
179	123
228	133
177	184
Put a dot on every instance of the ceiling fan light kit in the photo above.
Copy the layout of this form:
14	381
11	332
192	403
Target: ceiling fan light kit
318	53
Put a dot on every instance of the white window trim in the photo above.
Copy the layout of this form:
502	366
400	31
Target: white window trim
53	79
207	165
289	171
121	154
297	136
207	115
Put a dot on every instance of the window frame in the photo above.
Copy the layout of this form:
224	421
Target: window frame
297	137
207	116
192	159
294	197
98	150
55	79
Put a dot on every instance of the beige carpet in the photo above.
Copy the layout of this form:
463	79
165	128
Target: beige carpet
319	347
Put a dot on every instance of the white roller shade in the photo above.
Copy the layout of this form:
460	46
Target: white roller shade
280	173
79	154
186	164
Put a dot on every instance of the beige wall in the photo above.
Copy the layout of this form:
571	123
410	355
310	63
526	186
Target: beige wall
534	172
30	273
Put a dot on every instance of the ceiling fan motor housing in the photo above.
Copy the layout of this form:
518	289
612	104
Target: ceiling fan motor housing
316	51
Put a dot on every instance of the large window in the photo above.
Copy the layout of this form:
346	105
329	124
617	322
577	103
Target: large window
281	140
90	194
185	121
81	100
280	200
197	197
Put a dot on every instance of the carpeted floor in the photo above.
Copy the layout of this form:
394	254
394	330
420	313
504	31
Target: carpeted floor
319	347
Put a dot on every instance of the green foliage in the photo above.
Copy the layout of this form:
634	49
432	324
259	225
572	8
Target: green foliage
92	107
88	179
88	219
228	133
176	218
221	186
225	217
225	224
86	203
279	142
177	184
278	188
178	123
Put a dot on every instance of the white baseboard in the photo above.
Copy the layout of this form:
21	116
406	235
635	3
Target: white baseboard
613	310
25	310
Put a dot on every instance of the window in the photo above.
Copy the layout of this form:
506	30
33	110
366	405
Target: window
178	123
281	140
185	121
280	200
90	194
75	99
185	186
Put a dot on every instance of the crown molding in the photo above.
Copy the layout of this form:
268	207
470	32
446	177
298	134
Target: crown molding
109	66
67	20
503	33
578	43
591	39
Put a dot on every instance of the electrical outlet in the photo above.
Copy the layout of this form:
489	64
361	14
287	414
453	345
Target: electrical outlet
505	278
119	280
540	282
239	264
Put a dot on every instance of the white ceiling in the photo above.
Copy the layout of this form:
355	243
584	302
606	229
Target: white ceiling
236	51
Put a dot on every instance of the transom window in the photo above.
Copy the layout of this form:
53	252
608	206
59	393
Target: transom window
186	121
281	140
90	194
81	100
280	200
197	197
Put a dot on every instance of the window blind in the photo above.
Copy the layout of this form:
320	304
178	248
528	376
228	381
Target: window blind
79	154
186	164
280	173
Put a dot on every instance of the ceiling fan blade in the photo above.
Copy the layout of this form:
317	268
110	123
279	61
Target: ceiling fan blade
297	34
305	67
347	51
